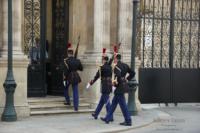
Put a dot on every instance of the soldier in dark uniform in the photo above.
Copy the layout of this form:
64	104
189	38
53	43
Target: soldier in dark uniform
105	74
71	76
120	71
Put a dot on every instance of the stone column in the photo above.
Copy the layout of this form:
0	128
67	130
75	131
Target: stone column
17	28
1	21
20	61
101	24
92	57
114	22
4	28
101	29
125	27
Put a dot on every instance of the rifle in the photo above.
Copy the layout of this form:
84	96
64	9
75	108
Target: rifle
77	47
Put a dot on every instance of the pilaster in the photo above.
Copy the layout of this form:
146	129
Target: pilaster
1	23
20	61
125	28
92	57
101	24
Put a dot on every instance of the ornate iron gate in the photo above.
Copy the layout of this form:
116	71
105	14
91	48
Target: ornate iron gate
31	22
169	38
35	45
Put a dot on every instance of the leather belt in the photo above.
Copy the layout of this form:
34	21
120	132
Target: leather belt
106	78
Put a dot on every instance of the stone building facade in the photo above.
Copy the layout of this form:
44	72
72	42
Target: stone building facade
100	23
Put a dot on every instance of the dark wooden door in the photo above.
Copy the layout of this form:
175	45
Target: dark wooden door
60	19
36	10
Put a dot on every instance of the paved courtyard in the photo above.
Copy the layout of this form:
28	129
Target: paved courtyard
77	123
153	119
183	119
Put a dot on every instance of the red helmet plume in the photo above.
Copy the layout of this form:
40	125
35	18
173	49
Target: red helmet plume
69	45
104	50
115	48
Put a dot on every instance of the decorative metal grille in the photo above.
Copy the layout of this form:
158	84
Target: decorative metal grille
59	28
155	34
31	22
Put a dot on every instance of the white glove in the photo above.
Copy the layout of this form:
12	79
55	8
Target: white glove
88	86
113	88
64	83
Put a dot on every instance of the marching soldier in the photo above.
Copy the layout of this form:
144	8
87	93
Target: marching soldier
71	77
105	73
120	71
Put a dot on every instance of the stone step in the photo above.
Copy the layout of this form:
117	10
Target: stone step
56	106
53	112
50	100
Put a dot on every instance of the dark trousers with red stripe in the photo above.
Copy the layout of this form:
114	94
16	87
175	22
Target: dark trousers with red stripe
119	99
104	100
75	95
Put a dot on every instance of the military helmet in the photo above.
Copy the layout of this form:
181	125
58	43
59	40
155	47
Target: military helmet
69	48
